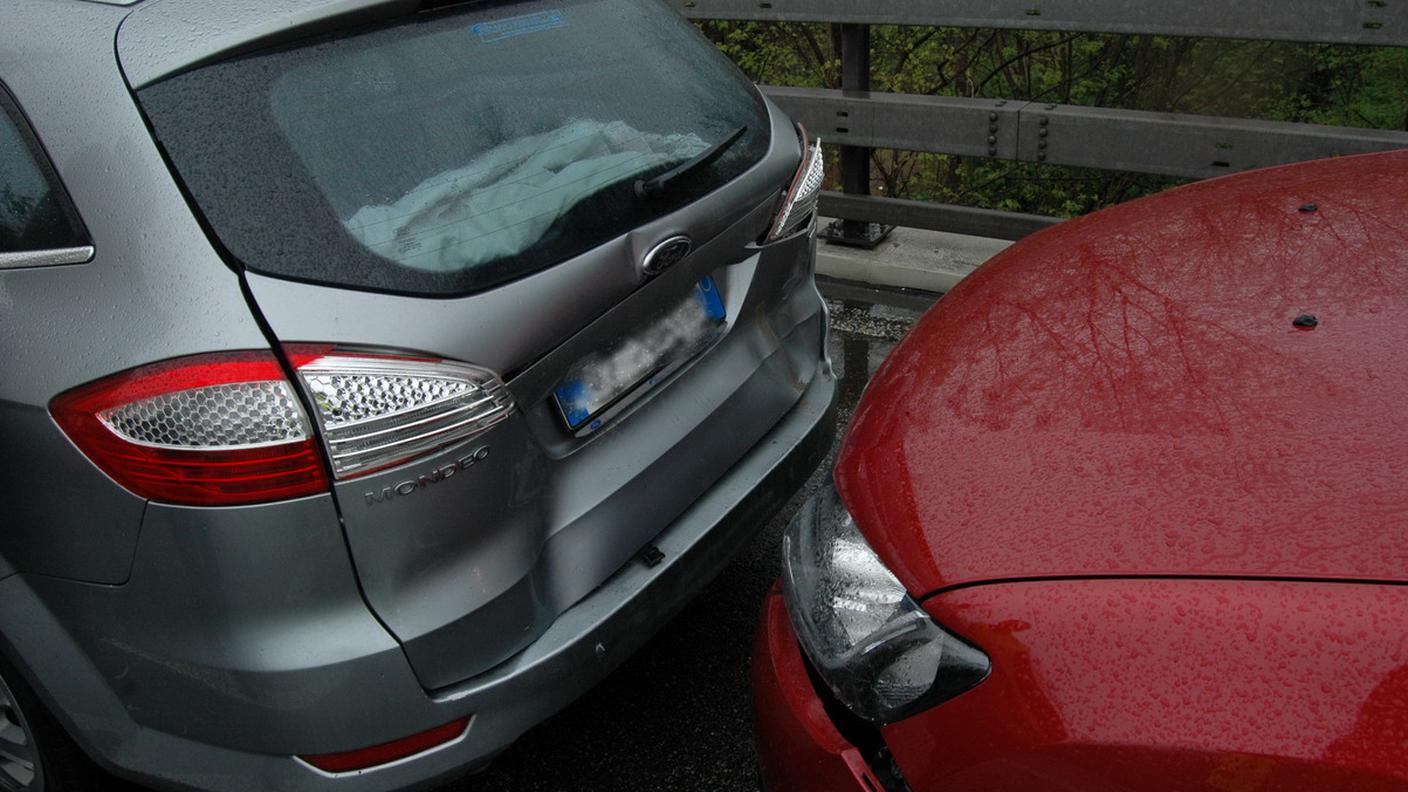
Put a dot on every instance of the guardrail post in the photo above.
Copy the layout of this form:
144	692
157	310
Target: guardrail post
855	160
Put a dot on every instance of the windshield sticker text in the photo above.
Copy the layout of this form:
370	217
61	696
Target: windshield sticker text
501	29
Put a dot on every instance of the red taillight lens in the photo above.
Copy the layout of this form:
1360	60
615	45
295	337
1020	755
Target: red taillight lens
366	758
210	430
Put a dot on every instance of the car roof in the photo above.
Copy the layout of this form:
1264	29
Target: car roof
161	38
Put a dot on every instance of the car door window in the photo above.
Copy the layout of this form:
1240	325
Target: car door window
35	215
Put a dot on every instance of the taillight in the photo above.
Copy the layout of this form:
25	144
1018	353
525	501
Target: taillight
802	196
211	430
228	429
375	412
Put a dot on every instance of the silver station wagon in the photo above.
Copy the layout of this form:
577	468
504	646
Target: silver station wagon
378	374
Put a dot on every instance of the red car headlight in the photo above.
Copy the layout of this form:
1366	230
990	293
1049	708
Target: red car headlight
878	651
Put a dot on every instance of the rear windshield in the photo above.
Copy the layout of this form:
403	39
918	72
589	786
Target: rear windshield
459	149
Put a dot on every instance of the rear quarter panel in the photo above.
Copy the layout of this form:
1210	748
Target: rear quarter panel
1171	685
155	289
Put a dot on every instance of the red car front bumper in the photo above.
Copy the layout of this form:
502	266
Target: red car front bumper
801	748
1168	685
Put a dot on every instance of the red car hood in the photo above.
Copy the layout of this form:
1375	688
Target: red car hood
1125	394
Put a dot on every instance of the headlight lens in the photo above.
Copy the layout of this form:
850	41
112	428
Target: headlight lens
878	651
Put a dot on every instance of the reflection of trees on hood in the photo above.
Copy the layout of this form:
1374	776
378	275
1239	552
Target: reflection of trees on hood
1187	306
1126	393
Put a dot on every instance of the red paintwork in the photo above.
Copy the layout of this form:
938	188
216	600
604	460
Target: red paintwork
1176	524
1171	686
1124	394
801	748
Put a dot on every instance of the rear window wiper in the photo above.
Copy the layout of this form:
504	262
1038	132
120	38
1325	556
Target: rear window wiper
660	184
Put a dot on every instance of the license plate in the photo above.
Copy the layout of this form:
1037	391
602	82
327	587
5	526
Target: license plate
600	384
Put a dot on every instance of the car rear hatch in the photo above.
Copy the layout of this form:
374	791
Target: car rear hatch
456	198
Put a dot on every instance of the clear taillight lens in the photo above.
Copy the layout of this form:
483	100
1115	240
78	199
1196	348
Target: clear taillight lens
210	430
376	412
800	202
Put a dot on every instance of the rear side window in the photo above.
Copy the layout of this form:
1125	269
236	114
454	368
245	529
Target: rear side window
456	150
34	212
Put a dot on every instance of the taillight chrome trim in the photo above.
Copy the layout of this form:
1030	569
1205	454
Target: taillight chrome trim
804	193
412	424
481	396
487	420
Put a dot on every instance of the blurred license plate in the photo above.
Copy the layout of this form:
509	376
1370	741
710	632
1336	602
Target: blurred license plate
600	383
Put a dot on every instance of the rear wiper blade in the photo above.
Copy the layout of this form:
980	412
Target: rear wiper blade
661	183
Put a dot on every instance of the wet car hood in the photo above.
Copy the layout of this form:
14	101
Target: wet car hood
1126	394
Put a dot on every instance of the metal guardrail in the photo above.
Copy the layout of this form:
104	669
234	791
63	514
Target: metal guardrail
1089	137
935	216
1379	22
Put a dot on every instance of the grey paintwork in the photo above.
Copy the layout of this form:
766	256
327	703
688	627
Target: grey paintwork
618	617
463	572
203	648
162	37
155	288
223	625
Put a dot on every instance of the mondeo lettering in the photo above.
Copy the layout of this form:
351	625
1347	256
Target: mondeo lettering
436	476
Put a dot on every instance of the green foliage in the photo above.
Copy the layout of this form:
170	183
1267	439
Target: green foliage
1359	87
1323	84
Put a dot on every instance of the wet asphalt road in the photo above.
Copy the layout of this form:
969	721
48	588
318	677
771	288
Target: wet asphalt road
676	716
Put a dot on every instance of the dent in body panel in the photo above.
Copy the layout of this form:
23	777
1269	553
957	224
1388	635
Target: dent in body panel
463	572
472	570
255	613
457	551
1126	393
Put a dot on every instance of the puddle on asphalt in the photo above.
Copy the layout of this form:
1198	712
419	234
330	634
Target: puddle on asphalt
862	336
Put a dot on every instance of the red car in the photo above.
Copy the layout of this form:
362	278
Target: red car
1127	511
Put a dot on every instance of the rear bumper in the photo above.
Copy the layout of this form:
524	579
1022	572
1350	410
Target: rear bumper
799	745
313	701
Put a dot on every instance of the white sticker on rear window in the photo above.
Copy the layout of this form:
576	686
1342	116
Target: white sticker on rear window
501	29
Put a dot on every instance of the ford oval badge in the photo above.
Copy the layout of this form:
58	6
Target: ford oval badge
665	255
